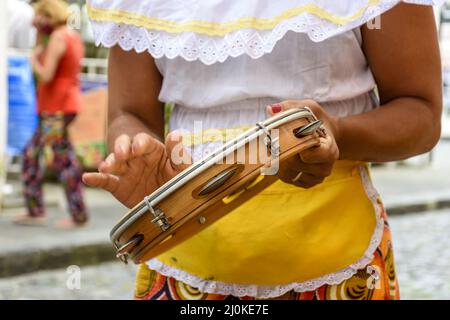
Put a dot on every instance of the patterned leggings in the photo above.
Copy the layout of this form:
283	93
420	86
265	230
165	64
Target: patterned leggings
65	164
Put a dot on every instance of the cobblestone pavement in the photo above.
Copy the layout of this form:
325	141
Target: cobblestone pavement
106	281
421	249
422	253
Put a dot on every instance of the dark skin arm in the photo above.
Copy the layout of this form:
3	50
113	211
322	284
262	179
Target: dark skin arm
134	85
405	60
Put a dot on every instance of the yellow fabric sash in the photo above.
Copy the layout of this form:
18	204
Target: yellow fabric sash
285	234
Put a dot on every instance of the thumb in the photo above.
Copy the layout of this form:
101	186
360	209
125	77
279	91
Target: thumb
179	156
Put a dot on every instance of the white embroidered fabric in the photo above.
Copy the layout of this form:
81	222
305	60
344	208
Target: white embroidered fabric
265	292
211	49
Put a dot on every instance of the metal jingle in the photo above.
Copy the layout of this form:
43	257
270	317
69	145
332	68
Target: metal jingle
307	129
217	181
124	250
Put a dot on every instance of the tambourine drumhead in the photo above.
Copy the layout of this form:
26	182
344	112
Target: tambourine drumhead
212	187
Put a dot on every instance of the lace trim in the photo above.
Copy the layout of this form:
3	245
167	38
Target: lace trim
264	292
255	43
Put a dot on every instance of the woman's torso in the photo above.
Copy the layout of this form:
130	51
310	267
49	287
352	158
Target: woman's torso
62	94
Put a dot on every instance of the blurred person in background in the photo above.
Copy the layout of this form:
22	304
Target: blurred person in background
56	61
21	32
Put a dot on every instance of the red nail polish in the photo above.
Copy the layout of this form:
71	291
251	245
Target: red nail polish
276	108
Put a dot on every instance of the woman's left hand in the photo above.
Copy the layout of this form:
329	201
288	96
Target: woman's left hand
313	165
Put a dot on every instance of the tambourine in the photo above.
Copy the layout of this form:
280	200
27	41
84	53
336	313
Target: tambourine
214	186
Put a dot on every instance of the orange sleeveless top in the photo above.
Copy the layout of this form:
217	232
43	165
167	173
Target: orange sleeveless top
62	94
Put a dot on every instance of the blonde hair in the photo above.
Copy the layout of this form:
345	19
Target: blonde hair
57	10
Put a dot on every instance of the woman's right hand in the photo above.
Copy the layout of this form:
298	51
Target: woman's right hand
138	166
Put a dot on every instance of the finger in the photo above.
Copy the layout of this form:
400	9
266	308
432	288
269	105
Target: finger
294	160
179	156
122	147
144	144
112	166
104	181
295	164
304	180
286	175
147	150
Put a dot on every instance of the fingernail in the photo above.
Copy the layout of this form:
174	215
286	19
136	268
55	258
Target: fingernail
135	147
276	108
140	144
